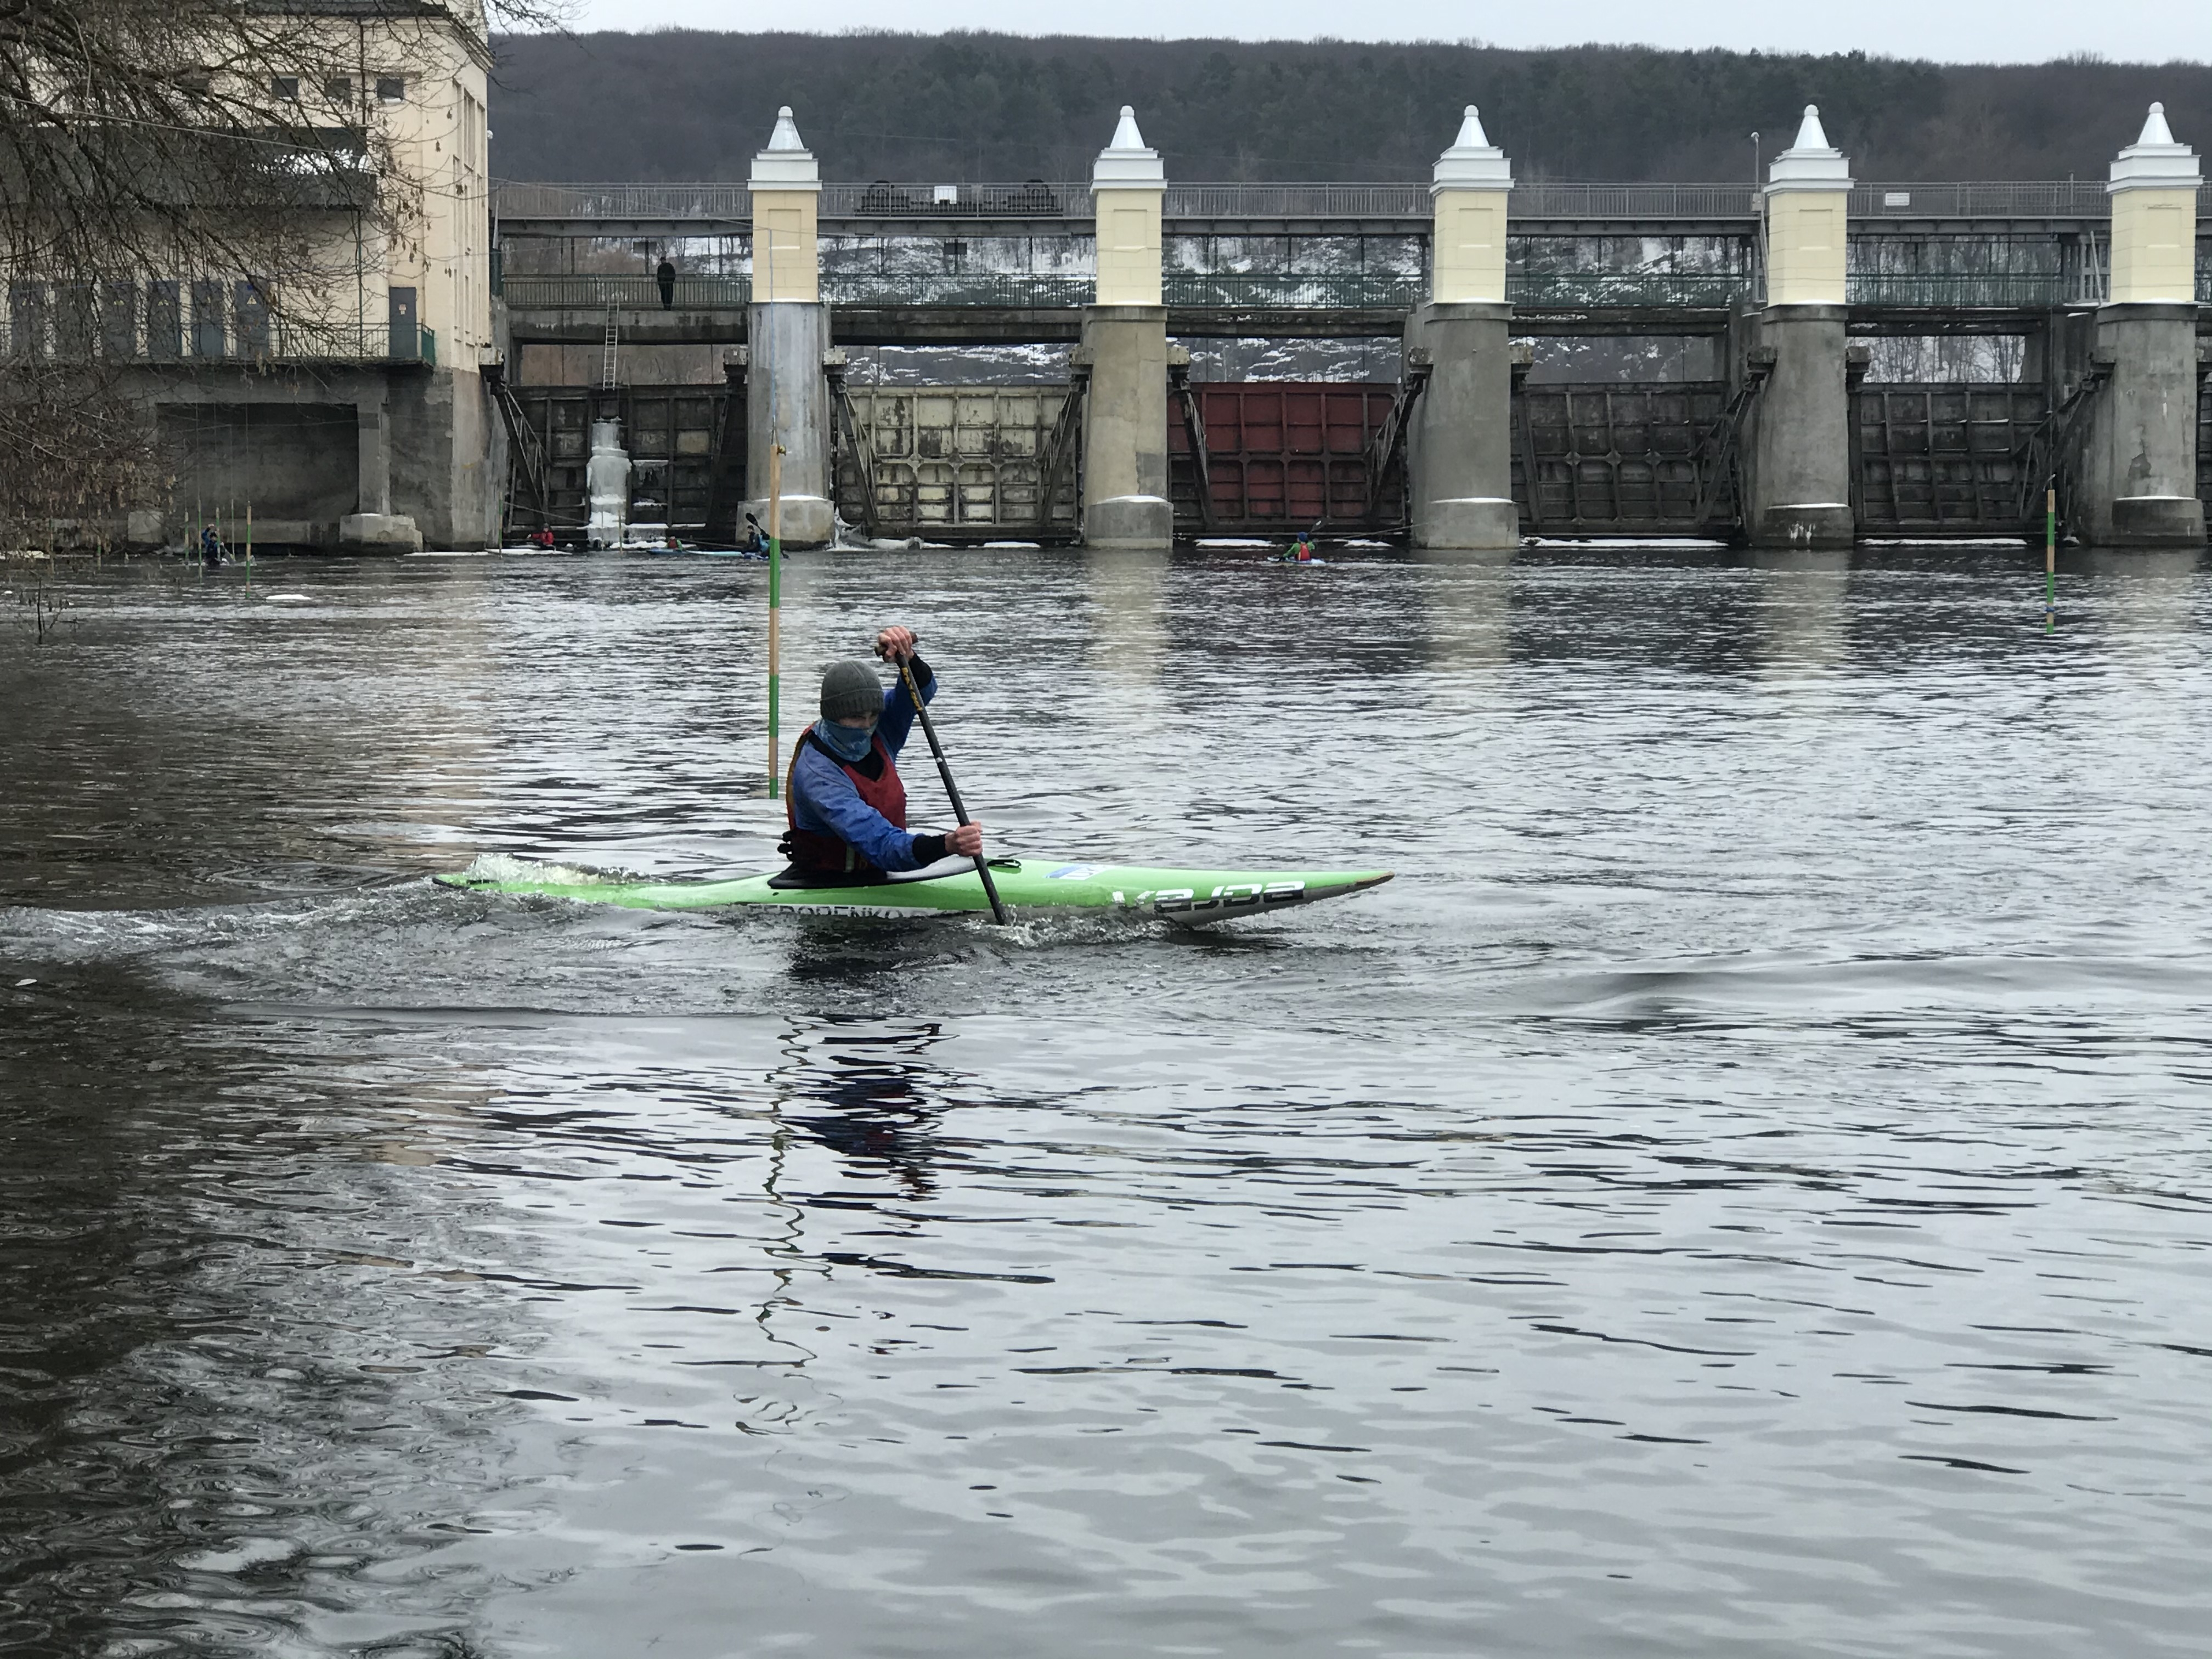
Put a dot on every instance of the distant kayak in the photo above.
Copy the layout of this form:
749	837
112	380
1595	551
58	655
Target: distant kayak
1029	887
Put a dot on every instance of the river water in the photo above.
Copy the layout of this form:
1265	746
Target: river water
1745	1188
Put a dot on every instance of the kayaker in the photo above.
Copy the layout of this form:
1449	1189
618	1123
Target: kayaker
844	801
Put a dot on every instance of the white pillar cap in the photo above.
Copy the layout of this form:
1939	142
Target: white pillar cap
786	164
1472	163
1126	164
1811	163
2154	162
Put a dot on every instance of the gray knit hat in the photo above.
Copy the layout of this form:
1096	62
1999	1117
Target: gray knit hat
850	688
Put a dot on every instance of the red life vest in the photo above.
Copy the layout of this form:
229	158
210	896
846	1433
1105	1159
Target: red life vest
811	849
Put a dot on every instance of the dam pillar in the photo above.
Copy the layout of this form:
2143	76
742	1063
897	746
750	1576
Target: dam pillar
2138	482
787	331
1125	344
1797	483
1459	445
372	527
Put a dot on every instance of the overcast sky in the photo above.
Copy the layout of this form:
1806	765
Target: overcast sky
1969	30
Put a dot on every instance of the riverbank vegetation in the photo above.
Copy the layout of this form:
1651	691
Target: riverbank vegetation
679	104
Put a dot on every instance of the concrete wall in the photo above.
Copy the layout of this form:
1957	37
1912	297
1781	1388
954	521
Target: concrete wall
293	463
289	442
448	457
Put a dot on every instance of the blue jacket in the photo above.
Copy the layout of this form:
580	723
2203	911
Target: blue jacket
824	800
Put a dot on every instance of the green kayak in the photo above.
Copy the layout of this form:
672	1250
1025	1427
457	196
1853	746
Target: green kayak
1029	886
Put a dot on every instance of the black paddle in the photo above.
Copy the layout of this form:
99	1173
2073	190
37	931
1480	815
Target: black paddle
953	791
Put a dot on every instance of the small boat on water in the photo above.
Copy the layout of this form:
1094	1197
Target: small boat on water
1029	887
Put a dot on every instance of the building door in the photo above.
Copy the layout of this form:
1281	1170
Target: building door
406	328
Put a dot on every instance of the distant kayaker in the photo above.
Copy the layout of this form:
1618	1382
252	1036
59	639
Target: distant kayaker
844	801
210	546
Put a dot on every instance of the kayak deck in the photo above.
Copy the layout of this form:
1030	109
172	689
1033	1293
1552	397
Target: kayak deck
1191	898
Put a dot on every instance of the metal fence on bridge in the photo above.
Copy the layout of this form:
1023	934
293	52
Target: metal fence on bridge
1648	289
597	290
1013	290
1964	290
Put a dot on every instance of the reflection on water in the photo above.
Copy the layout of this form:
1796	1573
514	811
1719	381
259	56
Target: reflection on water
1743	1189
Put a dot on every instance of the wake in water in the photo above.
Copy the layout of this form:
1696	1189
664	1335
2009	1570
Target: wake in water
505	867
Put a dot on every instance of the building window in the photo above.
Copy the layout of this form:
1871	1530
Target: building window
392	88
286	87
338	89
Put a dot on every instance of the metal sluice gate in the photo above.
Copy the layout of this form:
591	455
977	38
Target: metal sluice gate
1273	457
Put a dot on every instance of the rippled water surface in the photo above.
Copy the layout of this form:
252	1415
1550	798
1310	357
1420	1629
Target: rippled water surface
1744	1189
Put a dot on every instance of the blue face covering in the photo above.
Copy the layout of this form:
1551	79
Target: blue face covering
848	743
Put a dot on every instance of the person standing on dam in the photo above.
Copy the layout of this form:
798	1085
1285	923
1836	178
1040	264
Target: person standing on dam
665	277
845	803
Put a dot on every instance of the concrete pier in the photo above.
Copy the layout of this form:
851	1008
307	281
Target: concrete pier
786	396
1125	344
1459	445
2136	485
1797	480
374	527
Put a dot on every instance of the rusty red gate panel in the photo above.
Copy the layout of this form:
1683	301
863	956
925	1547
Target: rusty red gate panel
1282	455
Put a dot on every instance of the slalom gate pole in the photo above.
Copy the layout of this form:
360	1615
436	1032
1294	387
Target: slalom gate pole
2050	560
775	616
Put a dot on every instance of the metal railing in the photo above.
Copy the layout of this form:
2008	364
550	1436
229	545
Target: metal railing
597	290
1958	289
1648	289
1373	290
513	200
2068	198
1295	202
276	340
1563	199
1014	290
1034	200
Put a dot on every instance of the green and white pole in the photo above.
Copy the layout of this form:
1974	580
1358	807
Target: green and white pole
774	617
2050	560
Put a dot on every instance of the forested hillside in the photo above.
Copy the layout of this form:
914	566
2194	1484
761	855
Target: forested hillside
684	104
